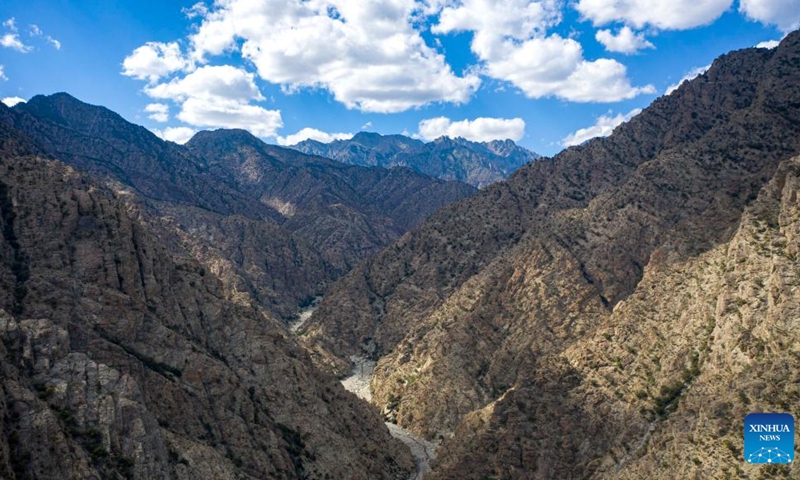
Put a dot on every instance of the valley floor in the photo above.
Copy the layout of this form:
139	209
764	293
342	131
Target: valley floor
358	382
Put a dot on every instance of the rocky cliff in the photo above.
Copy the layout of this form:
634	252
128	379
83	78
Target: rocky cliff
476	163
121	360
274	225
512	321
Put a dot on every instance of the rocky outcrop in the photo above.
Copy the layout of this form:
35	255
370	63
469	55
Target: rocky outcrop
277	227
476	163
478	316
661	387
121	361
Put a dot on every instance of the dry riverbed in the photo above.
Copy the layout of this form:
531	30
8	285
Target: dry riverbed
358	382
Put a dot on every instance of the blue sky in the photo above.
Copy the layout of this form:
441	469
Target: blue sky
546	73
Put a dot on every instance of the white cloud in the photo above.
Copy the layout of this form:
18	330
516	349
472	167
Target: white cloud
2	74
693	73
366	126
313	134
602	128
665	15
158	112
11	40
785	14
11	24
481	129
222	113
199	9
11	101
511	42
35	31
154	60
369	55
223	81
770	44
625	41
219	97
179	135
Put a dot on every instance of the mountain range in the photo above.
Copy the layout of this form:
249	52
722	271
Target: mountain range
476	163
144	290
612	312
274	225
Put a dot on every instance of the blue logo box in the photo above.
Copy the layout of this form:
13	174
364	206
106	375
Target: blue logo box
769	438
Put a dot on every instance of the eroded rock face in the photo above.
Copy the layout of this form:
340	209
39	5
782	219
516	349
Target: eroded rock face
478	315
120	360
276	226
661	387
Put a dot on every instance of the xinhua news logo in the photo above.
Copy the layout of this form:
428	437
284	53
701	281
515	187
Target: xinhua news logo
769	438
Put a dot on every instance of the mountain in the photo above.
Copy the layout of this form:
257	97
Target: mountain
274	225
121	359
612	312
477	164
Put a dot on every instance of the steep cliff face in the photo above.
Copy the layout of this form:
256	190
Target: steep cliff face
277	227
476	315
661	387
120	360
476	163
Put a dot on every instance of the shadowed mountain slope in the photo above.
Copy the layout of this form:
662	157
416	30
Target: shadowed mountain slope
276	226
477	316
120	360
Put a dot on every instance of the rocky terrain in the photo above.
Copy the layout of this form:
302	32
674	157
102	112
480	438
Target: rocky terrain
476	163
122	360
601	313
274	225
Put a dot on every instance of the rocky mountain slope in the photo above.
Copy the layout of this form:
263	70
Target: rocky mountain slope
579	320
121	360
274	225
476	163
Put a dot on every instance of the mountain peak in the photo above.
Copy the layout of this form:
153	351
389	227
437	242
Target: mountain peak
448	158
225	135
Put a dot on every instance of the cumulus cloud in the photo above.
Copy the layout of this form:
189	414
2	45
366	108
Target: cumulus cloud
312	134
12	41
625	41
513	46
199	9
153	61
158	112
222	81
693	73
769	44
179	135
481	129
219	97
665	15
222	113
602	128
11	38
369	55
11	101
785	14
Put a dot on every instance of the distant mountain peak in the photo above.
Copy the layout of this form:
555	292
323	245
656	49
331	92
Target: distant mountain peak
224	135
448	158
